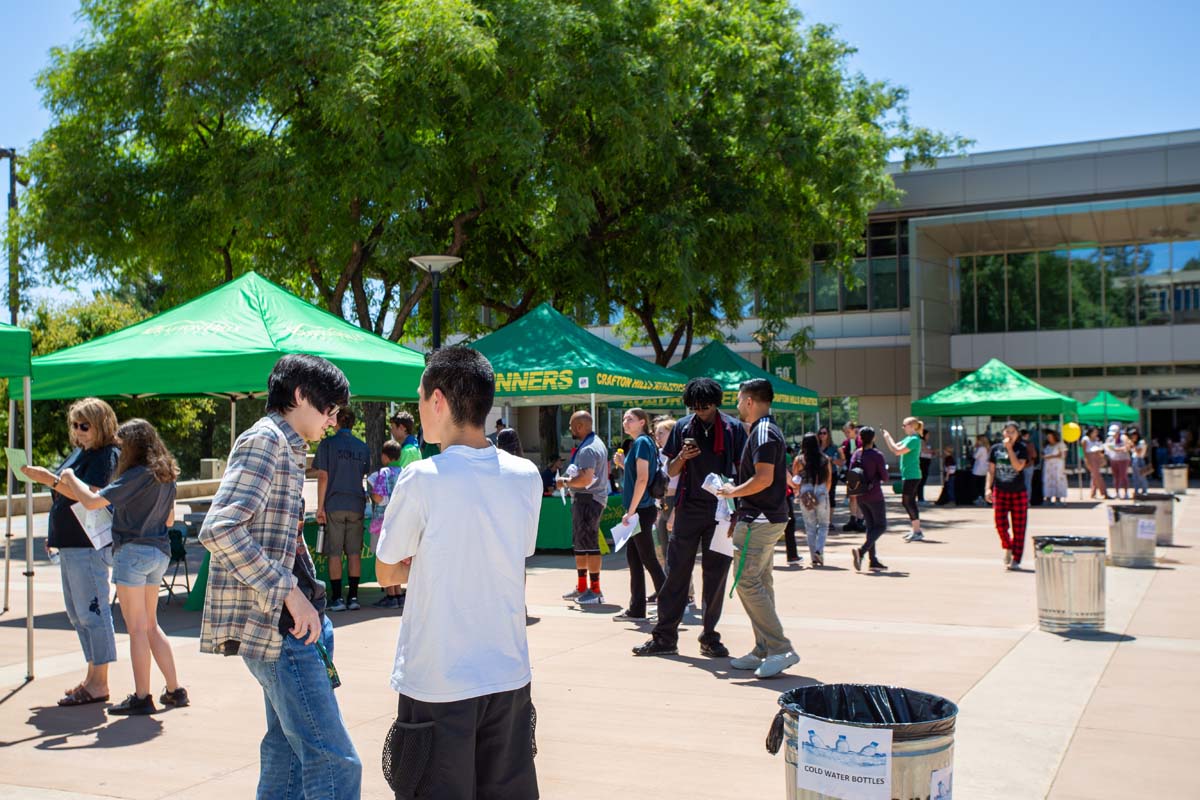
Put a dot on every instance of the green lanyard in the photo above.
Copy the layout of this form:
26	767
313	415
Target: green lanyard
737	575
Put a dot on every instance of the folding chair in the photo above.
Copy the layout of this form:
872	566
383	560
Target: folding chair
178	537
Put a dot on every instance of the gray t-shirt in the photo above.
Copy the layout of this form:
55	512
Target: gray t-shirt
593	455
347	460
140	508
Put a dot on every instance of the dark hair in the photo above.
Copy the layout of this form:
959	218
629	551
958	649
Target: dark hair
321	383
814	459
759	390
466	379
142	447
508	441
403	419
1051	432
1090	430
1132	430
501	424
702	392
345	418
867	435
1010	424
391	450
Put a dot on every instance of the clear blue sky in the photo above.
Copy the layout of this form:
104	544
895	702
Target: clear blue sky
1012	74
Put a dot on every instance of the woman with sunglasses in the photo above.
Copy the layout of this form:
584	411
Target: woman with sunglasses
84	568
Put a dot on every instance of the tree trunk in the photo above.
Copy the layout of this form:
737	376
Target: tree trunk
208	427
548	432
375	418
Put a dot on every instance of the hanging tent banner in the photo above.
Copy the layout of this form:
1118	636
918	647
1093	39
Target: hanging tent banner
1106	407
226	342
995	390
543	358
15	350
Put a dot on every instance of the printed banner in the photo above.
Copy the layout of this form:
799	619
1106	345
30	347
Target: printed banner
844	761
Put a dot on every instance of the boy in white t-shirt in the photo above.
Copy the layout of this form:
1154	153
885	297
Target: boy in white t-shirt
464	726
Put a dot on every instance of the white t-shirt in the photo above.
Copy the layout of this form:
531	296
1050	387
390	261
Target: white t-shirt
468	518
982	458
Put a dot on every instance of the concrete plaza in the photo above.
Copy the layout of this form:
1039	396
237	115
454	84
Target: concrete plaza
1041	715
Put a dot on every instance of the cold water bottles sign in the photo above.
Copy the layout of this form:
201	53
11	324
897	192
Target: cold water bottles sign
844	761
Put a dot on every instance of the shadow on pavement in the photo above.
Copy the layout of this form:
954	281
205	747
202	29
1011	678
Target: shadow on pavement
1098	636
58	726
719	668
885	573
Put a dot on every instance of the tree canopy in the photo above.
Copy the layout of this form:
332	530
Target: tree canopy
660	162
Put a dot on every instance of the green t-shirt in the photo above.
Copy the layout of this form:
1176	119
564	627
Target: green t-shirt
408	454
910	462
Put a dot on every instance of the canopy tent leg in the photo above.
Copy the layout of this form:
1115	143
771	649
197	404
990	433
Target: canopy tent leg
9	483
28	537
593	408
232	424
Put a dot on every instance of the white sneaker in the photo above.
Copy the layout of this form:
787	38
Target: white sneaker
590	598
773	665
748	661
1008	558
572	595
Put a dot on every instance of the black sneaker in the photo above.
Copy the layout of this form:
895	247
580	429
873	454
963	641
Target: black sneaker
133	706
177	698
879	565
652	598
655	648
714	650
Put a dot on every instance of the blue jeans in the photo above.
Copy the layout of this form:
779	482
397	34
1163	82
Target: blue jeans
816	521
306	753
85	589
139	565
1136	479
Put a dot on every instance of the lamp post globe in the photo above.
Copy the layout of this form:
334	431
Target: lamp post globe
435	265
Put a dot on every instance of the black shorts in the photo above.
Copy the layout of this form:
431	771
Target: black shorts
585	525
481	748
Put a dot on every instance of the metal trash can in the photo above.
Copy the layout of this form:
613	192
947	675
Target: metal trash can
1131	535
1070	583
1175	478
1164	515
856	740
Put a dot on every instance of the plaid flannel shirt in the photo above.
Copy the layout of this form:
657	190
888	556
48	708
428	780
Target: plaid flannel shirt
251	533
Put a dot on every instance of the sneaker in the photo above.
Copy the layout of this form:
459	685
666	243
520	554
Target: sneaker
878	565
625	616
748	661
795	562
1007	557
1015	567
856	557
336	605
134	706
914	536
572	595
177	698
352	604
773	665
714	650
655	648
849	527
818	559
397	601
653	599
590	598
383	602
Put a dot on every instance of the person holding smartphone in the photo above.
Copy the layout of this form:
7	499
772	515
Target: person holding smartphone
1006	492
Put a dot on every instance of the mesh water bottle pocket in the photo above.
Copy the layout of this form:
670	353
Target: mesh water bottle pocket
406	755
533	729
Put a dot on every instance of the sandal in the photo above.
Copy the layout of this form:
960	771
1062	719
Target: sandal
81	697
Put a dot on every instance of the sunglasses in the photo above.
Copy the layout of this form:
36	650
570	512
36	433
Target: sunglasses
700	408
81	426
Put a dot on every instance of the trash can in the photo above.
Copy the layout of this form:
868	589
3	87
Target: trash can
1164	515
1070	583
1175	478
1131	536
864	741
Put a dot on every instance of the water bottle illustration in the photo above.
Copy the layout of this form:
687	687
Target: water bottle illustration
870	749
816	741
842	746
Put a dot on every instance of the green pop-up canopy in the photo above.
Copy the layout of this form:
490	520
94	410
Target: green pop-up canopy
544	358
1106	407
715	360
225	343
15	347
995	390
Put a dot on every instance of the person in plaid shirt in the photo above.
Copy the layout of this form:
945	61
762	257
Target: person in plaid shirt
260	598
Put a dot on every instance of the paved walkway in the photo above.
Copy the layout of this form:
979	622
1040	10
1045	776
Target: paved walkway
1041	715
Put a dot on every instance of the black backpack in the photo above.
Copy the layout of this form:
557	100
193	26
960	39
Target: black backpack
856	479
659	480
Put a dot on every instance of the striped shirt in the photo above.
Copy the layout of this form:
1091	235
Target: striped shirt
251	533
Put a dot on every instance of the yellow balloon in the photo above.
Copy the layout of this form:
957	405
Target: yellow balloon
1071	432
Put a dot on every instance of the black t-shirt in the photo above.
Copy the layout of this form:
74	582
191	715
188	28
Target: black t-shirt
1007	478
764	445
93	467
691	499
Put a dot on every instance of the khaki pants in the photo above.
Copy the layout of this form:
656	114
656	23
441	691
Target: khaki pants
756	587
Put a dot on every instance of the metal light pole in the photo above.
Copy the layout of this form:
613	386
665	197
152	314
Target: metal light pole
435	266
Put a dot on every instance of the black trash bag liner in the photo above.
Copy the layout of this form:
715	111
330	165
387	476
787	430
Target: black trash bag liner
909	714
1117	511
1069	541
1161	498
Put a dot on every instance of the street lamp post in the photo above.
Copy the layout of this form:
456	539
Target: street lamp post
435	266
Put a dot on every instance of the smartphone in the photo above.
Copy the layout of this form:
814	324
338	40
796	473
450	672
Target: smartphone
690	442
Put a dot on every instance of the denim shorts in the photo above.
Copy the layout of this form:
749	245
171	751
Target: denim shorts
139	565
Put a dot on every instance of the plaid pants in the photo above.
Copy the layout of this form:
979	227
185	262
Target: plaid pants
1017	504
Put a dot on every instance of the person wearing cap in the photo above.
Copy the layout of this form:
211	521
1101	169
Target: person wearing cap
1117	447
494	435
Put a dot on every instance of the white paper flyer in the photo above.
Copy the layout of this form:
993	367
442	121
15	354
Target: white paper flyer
844	761
1145	529
941	784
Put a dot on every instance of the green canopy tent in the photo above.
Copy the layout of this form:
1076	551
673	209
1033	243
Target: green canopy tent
15	348
543	358
715	360
224	343
995	390
1106	407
